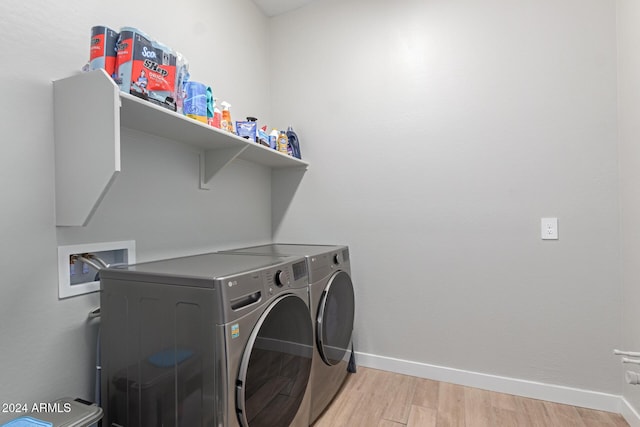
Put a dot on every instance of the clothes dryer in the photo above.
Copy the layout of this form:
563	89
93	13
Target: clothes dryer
213	340
332	302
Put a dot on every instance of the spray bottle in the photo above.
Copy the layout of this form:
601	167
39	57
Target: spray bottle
226	123
217	116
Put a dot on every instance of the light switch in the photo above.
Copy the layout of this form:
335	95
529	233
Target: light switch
549	228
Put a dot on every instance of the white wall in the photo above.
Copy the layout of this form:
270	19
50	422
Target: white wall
629	132
439	133
47	345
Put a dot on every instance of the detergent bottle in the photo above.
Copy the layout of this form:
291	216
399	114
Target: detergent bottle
283	143
226	123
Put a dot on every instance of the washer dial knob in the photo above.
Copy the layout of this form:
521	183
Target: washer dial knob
337	259
280	278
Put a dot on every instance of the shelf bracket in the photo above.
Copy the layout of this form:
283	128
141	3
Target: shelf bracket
87	144
213	161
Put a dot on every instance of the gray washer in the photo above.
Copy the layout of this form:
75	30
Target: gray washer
211	340
332	302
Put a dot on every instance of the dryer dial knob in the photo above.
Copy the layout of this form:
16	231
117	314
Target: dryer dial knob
280	278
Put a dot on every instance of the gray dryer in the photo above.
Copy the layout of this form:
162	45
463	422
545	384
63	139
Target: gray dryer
332	302
213	340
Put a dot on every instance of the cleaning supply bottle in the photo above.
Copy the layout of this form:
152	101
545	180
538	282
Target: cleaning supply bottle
283	143
273	139
226	123
210	103
263	136
294	143
217	116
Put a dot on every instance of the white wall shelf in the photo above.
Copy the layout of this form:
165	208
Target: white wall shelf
89	110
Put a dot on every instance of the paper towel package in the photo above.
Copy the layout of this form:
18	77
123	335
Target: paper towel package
145	68
102	53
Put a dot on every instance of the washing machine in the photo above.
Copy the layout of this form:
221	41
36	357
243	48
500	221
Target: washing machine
332	302
212	340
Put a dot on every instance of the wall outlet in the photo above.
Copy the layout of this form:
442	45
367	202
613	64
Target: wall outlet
76	277
549	228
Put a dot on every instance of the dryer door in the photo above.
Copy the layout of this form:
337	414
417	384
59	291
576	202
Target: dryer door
276	365
335	319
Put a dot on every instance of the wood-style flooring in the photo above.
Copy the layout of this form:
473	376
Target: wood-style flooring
373	398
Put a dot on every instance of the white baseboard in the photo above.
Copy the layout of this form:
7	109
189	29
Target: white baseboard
629	414
515	386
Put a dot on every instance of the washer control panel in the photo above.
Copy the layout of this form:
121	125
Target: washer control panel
286	276
281	278
337	259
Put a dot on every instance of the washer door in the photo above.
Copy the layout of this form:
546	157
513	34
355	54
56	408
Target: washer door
335	318
276	365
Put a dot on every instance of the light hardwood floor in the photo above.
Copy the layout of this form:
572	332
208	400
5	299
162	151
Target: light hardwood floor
373	398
